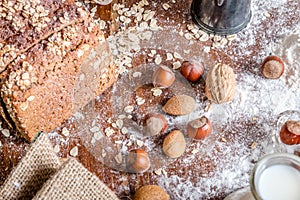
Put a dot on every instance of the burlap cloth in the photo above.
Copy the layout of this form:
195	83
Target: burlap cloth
40	175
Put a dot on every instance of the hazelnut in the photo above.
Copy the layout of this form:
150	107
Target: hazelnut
163	77
155	124
199	128
290	132
174	144
192	71
272	67
151	192
138	161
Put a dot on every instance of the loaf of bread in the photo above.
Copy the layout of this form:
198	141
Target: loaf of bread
53	71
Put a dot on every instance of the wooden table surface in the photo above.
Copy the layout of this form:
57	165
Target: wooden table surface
13	148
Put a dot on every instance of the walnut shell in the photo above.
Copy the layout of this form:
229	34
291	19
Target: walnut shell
220	84
180	105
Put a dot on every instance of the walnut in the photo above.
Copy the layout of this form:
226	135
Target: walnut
220	84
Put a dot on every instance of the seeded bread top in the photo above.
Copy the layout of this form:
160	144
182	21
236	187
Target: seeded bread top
38	84
25	23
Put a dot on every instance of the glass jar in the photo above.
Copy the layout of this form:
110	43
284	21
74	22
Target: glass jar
276	176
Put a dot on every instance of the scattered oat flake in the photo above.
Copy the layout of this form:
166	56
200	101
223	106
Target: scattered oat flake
156	92
98	135
119	158
118	142
176	65
188	36
140	143
153	51
74	151
103	153
114	125
128	109
204	37
132	137
133	37
31	98
122	116
94	129
129	143
124	130
231	37
169	56
65	132
147	35
158	171
166	6
206	109
56	148
206	49
195	151
136	74
119	123
187	51
158	59
177	55
5	132
109	131
223	139
253	145
164	171
267	14
140	100
181	33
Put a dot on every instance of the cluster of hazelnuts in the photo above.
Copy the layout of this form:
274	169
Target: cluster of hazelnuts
174	143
